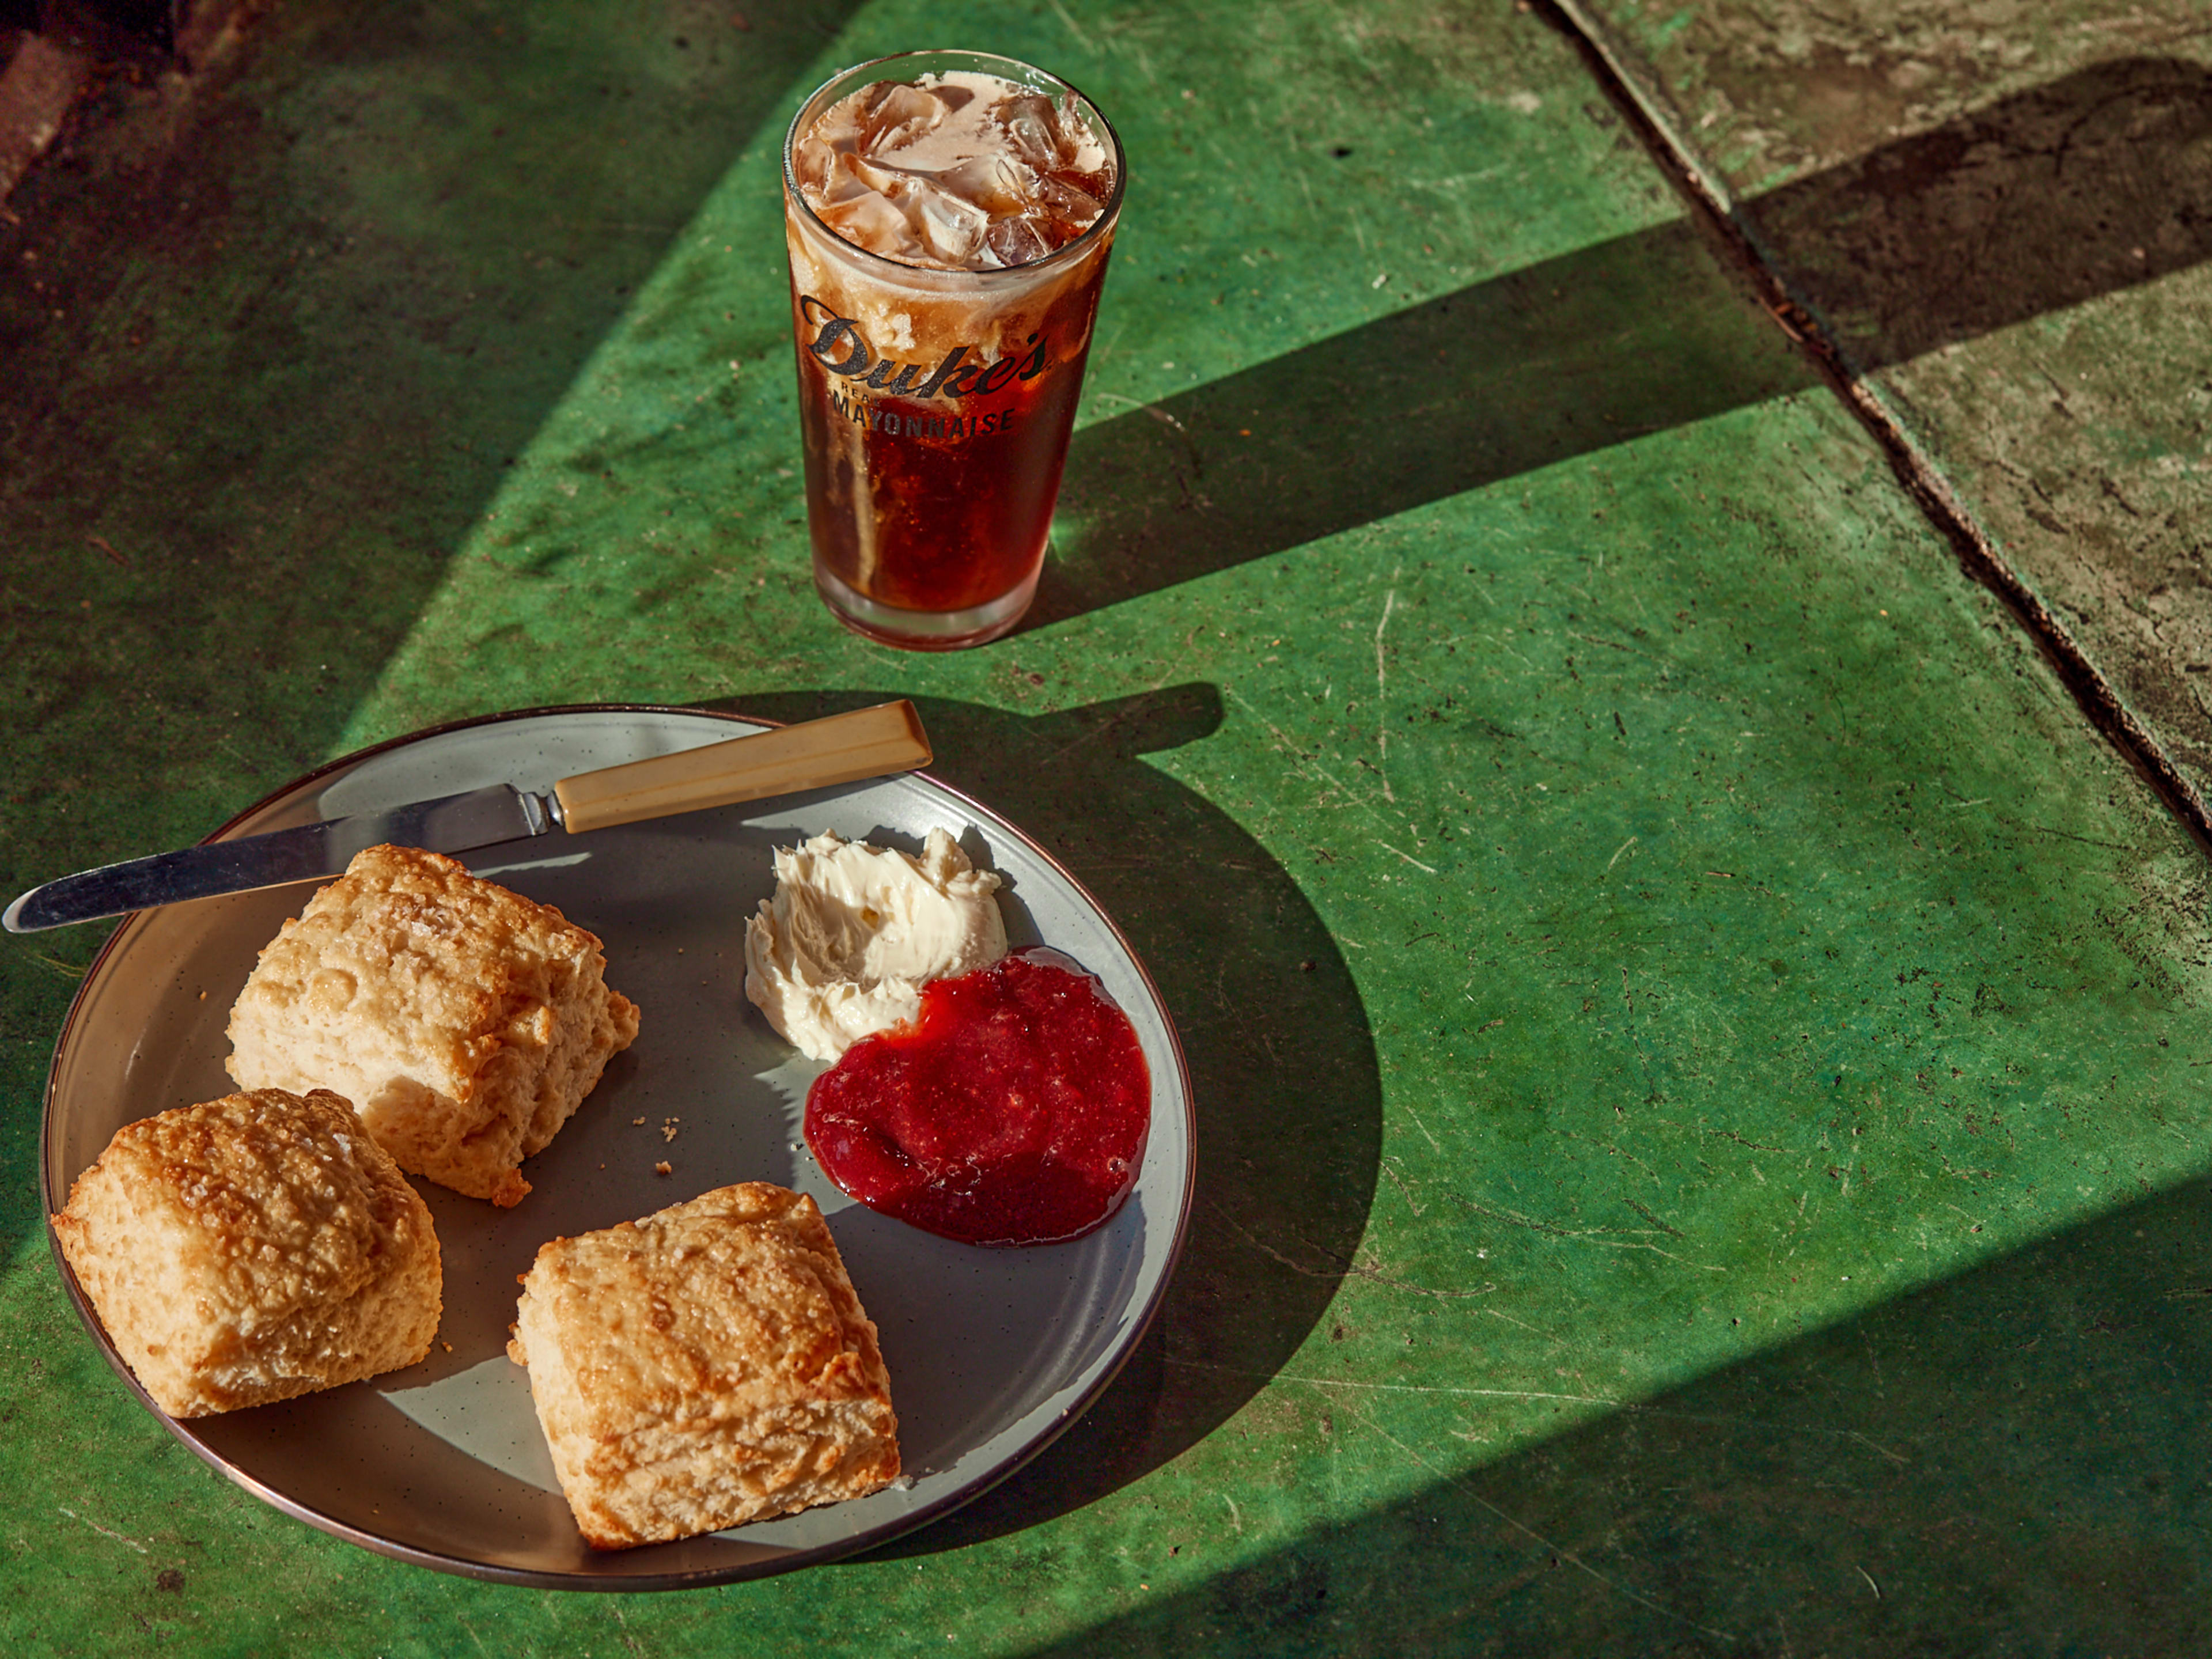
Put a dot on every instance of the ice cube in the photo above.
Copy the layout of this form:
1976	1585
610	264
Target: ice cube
870	221
1032	127
1016	241
950	229
1095	181
813	164
865	173
992	183
902	115
1072	210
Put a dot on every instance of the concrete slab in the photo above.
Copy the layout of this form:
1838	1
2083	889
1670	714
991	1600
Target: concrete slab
1998	211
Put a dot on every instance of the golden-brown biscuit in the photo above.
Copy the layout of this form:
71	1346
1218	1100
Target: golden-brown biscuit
707	1366
465	1022
251	1248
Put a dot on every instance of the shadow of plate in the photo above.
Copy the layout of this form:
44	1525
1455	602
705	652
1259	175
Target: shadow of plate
1284	1077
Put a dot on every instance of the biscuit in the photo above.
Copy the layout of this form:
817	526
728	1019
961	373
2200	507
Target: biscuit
707	1366
251	1248
466	1022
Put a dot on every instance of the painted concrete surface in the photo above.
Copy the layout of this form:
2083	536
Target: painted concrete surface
1999	209
1697	1041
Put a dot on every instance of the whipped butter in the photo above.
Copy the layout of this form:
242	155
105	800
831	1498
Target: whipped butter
854	930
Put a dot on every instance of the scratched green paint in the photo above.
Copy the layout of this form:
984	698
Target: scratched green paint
1654	944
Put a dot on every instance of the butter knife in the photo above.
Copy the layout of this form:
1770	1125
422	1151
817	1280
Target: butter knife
867	743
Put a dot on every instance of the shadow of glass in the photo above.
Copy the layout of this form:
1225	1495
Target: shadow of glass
2097	182
269	348
2012	1461
1572	355
1283	1070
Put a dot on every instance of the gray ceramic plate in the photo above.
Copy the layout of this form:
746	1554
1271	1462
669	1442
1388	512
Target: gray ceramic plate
991	1353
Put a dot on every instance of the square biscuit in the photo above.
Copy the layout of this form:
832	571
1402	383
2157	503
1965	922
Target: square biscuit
707	1366
466	1022
250	1248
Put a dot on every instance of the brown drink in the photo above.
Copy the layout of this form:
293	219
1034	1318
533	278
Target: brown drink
948	216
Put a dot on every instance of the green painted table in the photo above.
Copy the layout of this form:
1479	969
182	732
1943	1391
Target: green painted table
1695	1037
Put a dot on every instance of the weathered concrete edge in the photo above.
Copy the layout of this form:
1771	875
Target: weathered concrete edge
1644	105
37	89
47	79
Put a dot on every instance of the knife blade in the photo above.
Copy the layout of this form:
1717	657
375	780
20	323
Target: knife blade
866	743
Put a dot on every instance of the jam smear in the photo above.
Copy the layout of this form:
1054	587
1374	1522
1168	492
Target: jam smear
1013	1111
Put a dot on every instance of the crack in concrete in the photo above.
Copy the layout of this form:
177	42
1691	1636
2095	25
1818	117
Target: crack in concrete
1717	215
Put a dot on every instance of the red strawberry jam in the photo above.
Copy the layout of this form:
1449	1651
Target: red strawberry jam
1013	1111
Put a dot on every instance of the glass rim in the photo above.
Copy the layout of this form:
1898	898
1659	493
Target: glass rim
1027	73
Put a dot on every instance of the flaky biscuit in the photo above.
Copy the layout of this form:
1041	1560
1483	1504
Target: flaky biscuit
251	1248
465	1022
707	1366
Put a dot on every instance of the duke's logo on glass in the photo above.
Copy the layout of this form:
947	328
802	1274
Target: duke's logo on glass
841	348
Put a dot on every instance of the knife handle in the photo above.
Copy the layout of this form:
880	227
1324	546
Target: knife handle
868	742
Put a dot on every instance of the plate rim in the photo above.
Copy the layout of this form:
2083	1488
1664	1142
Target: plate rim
780	1558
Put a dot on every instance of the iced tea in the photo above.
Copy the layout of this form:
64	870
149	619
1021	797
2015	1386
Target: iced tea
949	216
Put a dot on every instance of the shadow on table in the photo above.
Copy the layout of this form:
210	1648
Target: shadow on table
2013	1462
2038	202
1283	1073
2095	183
269	339
296	317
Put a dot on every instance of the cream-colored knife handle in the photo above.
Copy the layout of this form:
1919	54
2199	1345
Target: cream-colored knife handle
868	742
